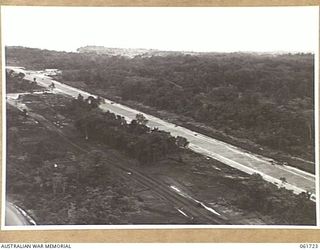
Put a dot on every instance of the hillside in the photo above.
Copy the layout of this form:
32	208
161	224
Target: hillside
129	52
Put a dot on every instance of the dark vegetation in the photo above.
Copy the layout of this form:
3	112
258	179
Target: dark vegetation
255	194
148	146
58	184
16	84
56	195
266	99
135	138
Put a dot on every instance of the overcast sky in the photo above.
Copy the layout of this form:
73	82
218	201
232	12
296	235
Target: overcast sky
192	29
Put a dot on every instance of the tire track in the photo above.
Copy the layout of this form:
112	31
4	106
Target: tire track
195	211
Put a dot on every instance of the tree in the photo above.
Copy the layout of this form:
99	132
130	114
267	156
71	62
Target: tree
93	103
308	117
283	180
141	119
21	75
80	98
181	142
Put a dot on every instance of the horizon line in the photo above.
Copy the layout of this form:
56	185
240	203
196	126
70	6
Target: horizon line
173	50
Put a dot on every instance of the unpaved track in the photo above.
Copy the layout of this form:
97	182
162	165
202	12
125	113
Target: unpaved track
195	212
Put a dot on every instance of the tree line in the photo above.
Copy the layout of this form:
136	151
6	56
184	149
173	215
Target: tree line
267	99
133	138
255	194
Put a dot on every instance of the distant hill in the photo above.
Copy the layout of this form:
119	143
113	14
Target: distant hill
129	52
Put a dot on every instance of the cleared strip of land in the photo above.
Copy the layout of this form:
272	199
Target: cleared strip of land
287	176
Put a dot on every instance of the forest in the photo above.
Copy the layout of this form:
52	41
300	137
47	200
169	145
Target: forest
148	146
264	98
56	194
135	138
16	83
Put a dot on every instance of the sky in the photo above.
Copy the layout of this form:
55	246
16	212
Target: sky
217	29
